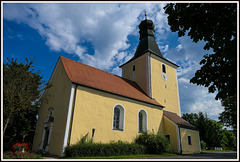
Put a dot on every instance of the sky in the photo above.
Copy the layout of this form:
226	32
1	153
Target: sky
102	35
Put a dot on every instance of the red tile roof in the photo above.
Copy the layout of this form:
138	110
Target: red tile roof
98	79
178	120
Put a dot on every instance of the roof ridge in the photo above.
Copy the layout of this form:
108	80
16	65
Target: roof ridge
89	66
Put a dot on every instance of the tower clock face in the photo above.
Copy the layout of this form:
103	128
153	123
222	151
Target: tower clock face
164	76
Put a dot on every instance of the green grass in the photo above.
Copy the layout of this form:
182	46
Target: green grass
219	150
121	156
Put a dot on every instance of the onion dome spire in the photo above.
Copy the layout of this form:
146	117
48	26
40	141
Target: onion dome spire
147	39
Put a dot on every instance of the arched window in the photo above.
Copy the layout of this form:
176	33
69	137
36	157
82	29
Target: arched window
118	118
142	121
163	68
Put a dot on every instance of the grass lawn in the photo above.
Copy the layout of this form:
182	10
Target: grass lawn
121	156
219	150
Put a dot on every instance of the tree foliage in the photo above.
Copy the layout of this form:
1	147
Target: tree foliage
229	115
211	131
22	89
216	24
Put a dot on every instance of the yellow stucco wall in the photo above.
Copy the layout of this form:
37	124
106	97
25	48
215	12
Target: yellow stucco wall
58	98
165	92
171	129
140	71
186	148
94	109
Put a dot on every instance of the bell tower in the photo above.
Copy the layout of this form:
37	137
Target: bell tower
151	71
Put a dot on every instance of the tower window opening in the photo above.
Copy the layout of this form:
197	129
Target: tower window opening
133	69
163	68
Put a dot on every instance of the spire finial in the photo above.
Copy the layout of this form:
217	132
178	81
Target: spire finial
145	15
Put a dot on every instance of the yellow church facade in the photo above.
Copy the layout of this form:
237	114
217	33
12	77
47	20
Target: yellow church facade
87	101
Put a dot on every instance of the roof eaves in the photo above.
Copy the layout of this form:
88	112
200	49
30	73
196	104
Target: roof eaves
184	126
152	52
166	60
179	124
160	106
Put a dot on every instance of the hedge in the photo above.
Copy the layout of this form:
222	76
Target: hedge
154	143
100	149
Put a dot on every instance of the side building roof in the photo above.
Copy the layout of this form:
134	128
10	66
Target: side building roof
88	76
178	120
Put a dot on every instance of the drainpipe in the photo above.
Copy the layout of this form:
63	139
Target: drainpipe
180	140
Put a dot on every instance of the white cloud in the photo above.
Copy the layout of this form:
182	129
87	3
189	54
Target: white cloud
65	27
193	98
117	71
164	48
179	47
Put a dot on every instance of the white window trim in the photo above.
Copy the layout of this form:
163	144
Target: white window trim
122	118
146	122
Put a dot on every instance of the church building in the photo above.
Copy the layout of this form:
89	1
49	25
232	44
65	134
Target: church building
88	101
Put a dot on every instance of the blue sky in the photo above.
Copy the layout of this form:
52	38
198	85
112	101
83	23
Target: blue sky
103	35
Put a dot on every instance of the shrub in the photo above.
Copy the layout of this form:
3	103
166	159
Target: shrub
8	155
100	149
20	146
145	143
7	146
203	145
154	143
19	155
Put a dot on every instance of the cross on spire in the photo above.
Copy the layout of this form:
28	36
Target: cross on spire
145	15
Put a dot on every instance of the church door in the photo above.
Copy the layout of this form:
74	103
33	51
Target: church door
46	137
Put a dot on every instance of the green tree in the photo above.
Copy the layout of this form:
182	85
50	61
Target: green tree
229	115
22	89
211	131
200	121
231	139
216	24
